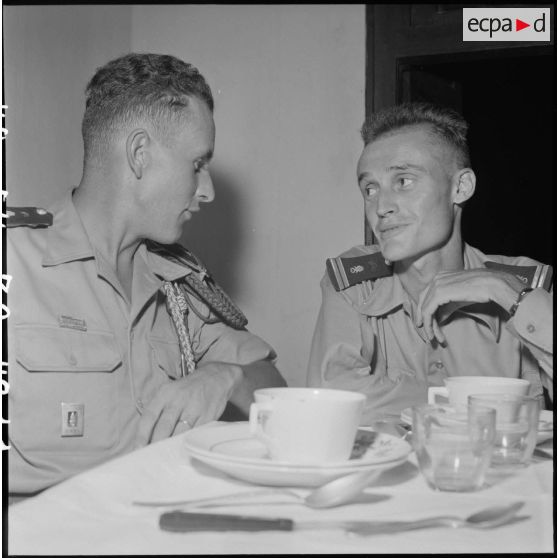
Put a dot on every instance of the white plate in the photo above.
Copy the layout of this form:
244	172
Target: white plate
231	449
546	423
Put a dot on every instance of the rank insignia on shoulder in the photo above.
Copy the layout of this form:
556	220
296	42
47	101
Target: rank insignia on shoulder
348	271
533	276
34	217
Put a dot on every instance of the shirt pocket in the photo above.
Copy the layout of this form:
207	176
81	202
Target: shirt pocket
56	366
165	356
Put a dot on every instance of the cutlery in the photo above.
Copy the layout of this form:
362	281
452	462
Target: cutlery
214	501
186	522
334	493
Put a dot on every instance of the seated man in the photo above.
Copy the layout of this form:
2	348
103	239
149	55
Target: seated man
117	336
424	305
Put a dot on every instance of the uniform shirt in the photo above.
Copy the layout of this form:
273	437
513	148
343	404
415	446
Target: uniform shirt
365	340
75	338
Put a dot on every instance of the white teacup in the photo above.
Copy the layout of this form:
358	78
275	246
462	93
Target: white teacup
306	425
458	388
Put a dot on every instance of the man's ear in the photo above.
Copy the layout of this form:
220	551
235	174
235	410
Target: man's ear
137	151
464	185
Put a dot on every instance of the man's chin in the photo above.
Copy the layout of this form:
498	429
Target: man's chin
168	237
391	252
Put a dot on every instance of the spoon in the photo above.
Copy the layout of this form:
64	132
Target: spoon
485	519
341	490
334	493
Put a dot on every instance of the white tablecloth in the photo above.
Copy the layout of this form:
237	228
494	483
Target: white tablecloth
92	513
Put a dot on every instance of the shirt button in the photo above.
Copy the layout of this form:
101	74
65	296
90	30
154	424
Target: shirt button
530	328
140	403
72	359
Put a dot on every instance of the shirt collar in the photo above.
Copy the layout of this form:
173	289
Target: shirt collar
161	267
66	239
388	294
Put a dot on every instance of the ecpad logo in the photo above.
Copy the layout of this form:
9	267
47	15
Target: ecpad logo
506	24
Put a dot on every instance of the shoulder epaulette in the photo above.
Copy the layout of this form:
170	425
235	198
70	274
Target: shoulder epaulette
202	286
34	217
348	271
344	272
534	276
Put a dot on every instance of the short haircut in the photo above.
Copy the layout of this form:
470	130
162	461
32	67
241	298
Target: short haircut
139	88
445	123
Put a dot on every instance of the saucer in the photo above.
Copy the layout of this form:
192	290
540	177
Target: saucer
545	429
233	450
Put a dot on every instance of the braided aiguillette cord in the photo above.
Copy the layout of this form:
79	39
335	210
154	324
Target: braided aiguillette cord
178	309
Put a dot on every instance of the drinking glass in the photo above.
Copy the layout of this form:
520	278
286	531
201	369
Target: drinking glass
517	420
453	445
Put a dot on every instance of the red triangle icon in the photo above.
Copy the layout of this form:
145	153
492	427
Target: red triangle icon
519	25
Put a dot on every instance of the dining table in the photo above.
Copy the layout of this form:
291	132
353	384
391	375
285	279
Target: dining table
95	512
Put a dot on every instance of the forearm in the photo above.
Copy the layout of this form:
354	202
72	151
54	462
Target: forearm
385	397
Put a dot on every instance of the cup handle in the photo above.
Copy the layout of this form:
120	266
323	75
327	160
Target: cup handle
436	390
258	413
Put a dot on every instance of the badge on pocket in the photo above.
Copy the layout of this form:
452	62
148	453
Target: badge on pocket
72	419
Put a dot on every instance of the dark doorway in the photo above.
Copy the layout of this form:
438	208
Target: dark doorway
507	93
509	100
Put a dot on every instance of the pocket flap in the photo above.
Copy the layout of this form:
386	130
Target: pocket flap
43	348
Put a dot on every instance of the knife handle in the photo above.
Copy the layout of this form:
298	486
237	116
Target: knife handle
186	522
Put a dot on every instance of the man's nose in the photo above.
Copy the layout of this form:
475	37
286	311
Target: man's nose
386	203
206	192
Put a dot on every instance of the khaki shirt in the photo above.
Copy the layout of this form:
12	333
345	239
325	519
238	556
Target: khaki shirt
74	338
365	340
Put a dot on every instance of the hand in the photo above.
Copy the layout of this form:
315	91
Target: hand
473	285
196	399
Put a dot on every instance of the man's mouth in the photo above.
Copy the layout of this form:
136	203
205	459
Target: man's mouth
189	210
387	231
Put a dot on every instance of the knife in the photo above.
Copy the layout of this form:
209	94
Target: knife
191	522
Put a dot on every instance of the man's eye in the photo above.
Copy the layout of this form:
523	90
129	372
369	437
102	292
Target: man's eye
198	166
369	191
404	182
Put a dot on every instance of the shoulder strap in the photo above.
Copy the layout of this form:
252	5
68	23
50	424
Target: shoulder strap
201	285
348	271
534	276
344	272
34	217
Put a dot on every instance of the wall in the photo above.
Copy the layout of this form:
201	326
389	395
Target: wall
289	87
50	53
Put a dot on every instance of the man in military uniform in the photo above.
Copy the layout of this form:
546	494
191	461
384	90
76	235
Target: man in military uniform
117	336
422	305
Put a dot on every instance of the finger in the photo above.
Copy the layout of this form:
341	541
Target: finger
437	330
149	418
419	318
166	424
425	301
425	313
183	425
427	324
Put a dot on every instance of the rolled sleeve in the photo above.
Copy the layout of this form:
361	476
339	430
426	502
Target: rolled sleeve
532	324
